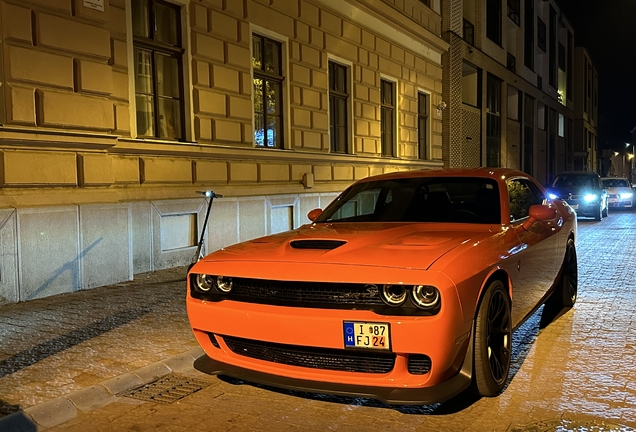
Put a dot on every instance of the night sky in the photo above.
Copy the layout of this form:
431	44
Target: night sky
608	30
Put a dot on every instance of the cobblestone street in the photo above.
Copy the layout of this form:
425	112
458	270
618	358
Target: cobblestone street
64	359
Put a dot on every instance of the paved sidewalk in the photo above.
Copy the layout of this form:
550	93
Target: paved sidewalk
105	340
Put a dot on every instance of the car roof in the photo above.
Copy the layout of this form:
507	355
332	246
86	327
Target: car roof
580	173
494	173
613	178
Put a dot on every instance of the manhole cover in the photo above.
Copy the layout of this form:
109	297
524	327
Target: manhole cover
166	389
564	425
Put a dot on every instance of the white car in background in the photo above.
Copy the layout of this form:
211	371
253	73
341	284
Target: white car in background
620	192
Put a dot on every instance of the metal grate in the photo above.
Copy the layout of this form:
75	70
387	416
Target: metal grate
306	292
166	389
315	358
419	364
316	244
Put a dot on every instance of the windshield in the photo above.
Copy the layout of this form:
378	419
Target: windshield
575	181
423	199
612	183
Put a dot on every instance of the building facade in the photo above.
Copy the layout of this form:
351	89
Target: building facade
114	113
509	86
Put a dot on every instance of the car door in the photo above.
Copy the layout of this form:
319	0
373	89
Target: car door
537	259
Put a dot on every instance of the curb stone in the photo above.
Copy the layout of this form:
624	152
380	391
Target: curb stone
64	408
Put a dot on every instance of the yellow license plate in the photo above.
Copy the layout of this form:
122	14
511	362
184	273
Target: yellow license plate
370	335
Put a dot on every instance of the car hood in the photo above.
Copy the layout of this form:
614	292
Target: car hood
394	245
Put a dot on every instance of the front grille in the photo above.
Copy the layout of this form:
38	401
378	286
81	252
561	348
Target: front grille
271	291
315	358
419	364
213	340
316	244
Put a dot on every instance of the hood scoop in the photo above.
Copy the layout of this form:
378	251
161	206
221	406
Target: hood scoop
316	244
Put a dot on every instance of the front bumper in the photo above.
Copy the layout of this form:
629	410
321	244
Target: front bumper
582	208
399	396
445	338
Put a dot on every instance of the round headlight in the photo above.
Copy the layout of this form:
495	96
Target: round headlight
204	282
425	296
224	284
394	295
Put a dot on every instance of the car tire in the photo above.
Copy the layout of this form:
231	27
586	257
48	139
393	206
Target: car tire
567	286
598	213
606	209
493	341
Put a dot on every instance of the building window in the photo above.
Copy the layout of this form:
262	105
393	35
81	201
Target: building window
493	20
511	62
528	36
268	92
469	32
470	85
528	134
338	102
158	69
561	125
426	2
514	11
552	52
493	121
387	119
422	124
541	35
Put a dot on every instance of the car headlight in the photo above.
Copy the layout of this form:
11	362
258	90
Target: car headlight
589	197
552	196
626	195
224	284
425	296
203	282
393	295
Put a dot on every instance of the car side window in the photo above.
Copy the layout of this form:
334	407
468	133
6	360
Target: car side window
522	194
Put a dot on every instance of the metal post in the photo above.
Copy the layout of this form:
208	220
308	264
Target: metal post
211	195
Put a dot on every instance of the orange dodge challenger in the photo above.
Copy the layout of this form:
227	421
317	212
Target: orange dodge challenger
406	288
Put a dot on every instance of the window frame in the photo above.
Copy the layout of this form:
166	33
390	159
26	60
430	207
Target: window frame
157	48
391	109
514	11
423	140
344	95
266	76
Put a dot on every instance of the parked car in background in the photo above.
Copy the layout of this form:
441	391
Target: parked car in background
406	288
620	192
583	191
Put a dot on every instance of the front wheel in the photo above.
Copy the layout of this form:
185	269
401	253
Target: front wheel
606	209
493	341
598	213
566	290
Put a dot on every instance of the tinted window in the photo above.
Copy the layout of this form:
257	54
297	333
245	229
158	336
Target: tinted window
522	194
612	183
576	181
442	199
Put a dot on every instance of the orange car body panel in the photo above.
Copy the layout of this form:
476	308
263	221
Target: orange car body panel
457	258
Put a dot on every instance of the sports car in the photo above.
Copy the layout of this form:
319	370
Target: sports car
406	288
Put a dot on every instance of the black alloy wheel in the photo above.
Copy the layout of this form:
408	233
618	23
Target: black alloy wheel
598	213
567	289
493	341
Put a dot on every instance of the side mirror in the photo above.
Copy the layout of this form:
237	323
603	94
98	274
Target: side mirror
539	212
313	214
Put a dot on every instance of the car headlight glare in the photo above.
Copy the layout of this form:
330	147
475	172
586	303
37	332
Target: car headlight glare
626	195
552	196
204	282
589	197
425	296
394	295
224	284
